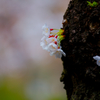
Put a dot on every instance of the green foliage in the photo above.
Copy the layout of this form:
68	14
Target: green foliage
60	36
10	90
94	4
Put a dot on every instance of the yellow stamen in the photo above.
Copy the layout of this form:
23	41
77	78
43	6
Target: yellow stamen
53	47
46	30
53	39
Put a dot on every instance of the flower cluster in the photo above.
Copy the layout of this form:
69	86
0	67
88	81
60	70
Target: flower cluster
51	41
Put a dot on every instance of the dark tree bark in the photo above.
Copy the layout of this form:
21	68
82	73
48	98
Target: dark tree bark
81	74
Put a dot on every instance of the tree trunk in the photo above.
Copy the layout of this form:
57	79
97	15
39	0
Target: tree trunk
81	74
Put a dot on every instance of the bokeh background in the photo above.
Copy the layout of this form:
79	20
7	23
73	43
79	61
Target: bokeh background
27	72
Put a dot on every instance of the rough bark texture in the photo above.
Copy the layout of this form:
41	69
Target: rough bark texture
81	74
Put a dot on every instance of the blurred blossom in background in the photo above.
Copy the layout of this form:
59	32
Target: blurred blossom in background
27	72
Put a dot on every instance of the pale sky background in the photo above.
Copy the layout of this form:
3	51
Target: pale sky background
21	56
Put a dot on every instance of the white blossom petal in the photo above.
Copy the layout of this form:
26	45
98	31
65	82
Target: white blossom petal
98	62
44	43
97	58
46	30
52	39
59	53
52	47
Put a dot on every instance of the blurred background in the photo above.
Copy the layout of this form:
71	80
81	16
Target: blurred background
27	72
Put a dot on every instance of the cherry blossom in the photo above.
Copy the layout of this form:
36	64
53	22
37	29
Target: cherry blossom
58	53
46	30
97	58
51	41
